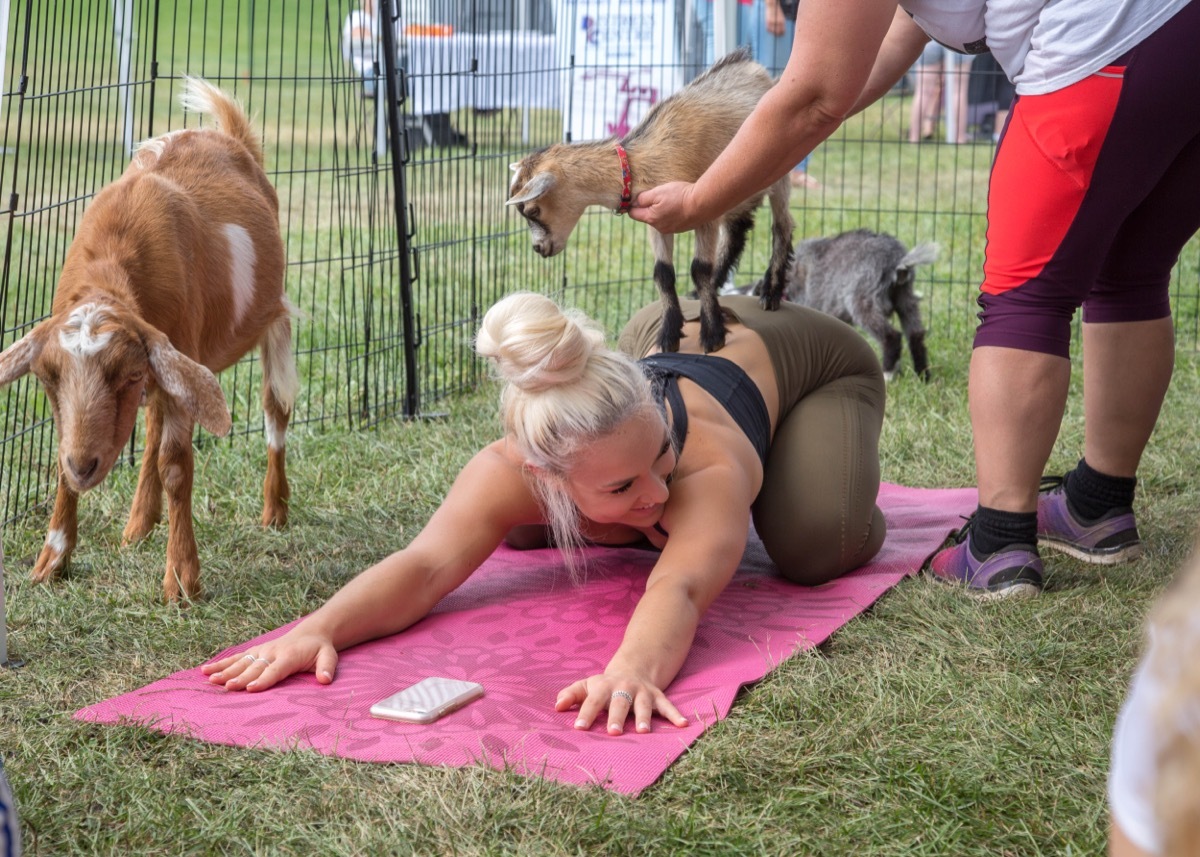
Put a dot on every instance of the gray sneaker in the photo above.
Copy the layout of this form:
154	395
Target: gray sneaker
1110	539
1015	571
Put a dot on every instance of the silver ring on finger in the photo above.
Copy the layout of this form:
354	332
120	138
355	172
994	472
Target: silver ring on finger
623	694
264	660
249	657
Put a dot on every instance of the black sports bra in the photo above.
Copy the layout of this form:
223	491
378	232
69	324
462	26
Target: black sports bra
722	379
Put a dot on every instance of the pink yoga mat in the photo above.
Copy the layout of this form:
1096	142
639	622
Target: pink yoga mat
524	631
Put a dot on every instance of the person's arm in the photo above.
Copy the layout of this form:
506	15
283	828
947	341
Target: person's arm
900	49
708	521
488	498
837	60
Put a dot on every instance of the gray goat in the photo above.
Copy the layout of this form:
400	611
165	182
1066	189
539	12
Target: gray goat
864	278
676	141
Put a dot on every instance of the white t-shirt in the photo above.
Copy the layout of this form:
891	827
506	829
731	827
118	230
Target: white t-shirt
1043	46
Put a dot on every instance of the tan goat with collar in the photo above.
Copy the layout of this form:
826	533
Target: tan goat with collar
175	273
676	141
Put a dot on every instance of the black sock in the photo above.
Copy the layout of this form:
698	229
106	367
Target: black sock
994	530
1091	494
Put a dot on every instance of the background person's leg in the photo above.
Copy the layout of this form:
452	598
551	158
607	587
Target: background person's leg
927	96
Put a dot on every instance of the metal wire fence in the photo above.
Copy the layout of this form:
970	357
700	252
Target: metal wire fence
396	232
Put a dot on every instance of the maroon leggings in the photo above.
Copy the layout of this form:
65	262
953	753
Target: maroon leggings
1094	191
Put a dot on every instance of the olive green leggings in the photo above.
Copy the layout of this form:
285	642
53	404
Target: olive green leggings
816	512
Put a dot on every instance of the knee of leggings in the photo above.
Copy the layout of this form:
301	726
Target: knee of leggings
1026	319
810	555
808	567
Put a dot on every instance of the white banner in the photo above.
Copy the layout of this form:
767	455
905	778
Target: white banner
627	58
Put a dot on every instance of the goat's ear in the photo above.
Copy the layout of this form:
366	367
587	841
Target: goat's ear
536	186
192	386
18	357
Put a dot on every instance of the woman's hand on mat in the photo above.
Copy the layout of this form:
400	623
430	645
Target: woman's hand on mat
617	698
264	665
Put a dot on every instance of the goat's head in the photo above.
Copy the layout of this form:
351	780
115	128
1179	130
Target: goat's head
94	361
546	199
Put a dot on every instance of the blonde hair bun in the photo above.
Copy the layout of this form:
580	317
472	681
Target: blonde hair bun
535	344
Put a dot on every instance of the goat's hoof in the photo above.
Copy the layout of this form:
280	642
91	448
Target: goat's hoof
182	584
48	562
712	340
275	517
182	597
770	302
135	531
668	344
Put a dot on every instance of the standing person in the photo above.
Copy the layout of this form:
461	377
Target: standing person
926	105
1085	208
676	450
929	75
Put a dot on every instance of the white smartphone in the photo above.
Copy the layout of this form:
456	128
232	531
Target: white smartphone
427	700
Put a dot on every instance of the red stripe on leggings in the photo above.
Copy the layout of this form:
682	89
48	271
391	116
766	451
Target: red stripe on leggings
1042	171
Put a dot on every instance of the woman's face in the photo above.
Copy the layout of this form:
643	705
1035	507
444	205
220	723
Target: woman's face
622	478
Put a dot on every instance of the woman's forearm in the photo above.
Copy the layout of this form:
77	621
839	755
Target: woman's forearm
384	599
832	59
772	140
659	635
486	501
900	49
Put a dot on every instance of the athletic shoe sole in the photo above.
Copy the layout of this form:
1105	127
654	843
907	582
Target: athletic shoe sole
1017	590
1095	556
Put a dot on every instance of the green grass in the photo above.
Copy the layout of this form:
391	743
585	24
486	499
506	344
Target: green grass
931	725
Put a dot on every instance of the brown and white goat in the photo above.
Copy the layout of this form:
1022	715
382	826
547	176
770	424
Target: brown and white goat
176	272
676	141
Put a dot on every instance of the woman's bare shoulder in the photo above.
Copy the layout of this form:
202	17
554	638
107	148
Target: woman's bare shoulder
495	483
490	496
498	465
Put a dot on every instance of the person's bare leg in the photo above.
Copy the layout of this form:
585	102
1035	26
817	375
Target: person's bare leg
1017	400
926	103
1126	371
962	81
914	109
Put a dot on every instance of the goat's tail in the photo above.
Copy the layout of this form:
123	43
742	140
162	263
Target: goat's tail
200	96
922	254
279	363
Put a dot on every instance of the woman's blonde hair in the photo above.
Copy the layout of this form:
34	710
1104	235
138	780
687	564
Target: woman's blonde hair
1175	665
563	388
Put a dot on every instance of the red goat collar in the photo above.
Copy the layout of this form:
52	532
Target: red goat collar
626	181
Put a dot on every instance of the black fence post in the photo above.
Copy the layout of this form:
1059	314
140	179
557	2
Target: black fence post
388	16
